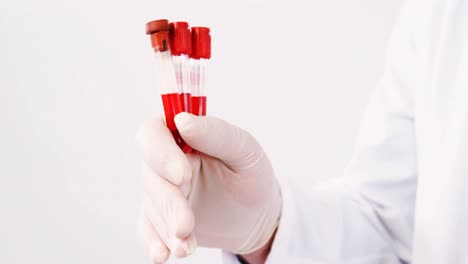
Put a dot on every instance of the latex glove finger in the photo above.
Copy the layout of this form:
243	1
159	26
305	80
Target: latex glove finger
155	247
179	247
169	212
161	153
195	164
217	138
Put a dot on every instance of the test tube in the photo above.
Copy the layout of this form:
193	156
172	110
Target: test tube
170	94
201	53
181	47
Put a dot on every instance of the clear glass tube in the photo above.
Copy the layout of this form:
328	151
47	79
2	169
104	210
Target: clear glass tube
168	86
182	72
198	87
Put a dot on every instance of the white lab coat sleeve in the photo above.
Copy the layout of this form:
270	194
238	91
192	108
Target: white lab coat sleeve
365	216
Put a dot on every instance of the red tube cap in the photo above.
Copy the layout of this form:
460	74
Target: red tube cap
181	39
156	26
201	43
159	31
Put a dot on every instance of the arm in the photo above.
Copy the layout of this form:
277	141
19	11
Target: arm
211	197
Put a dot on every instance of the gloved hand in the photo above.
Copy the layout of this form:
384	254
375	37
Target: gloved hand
224	195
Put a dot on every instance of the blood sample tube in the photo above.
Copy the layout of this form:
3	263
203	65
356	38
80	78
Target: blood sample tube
159	32
181	47
201	53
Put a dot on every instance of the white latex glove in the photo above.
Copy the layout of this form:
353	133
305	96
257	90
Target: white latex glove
223	196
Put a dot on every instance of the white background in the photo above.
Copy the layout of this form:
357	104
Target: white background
77	79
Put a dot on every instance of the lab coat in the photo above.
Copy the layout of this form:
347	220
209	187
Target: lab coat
404	195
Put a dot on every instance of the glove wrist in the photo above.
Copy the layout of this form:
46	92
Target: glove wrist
265	227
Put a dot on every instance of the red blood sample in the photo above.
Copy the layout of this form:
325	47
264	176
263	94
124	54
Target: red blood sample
199	105
172	106
186	101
